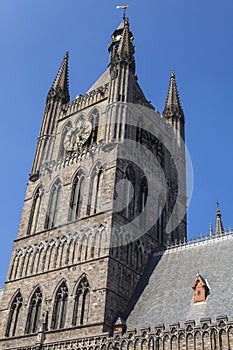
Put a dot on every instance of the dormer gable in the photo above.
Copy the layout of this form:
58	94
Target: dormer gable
200	289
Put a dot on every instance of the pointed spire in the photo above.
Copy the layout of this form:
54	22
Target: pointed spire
173	106
126	48
122	48
60	87
219	230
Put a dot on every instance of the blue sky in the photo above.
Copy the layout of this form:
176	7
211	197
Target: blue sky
193	37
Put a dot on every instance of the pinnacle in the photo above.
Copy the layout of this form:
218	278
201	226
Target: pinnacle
126	47
173	105
219	230
61	82
122	42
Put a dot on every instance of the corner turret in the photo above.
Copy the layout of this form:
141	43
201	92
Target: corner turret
57	96
122	64
122	49
60	87
173	111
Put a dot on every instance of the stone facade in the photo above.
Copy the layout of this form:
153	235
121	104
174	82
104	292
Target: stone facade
84	250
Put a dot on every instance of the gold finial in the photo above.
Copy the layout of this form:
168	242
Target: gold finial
123	7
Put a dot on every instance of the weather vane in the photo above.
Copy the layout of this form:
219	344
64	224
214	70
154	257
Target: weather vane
123	7
217	204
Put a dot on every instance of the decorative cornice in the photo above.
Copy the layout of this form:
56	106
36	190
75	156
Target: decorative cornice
188	333
84	101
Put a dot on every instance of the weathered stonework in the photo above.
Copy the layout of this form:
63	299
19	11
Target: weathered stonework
70	274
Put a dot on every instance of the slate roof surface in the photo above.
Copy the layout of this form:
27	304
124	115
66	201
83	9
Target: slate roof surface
104	79
168	296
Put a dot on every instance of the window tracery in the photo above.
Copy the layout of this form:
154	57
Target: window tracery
35	211
81	304
52	212
129	178
34	312
76	197
60	307
13	317
95	190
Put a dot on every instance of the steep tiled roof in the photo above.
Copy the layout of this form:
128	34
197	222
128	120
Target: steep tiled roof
103	80
168	296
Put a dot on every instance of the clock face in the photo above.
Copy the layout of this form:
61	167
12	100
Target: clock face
76	137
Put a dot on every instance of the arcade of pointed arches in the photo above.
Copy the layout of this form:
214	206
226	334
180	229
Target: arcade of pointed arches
81	308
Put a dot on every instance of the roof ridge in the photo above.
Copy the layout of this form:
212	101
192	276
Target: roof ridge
199	241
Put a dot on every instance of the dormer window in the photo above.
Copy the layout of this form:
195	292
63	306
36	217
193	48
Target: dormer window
200	289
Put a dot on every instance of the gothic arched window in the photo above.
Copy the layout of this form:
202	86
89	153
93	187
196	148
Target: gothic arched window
60	307
35	211
143	194
161	216
129	193
81	304
34	312
95	125
52	212
142	200
139	133
138	253
76	197
13	317
62	151
95	190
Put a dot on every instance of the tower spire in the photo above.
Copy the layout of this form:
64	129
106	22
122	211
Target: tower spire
219	230
173	106
57	96
60	85
126	48
122	48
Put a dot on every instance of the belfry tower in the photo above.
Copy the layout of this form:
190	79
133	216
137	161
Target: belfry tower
85	234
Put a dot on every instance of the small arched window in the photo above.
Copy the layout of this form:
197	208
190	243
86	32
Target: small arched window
60	307
129	193
35	211
76	197
96	184
13	317
34	312
81	303
54	200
